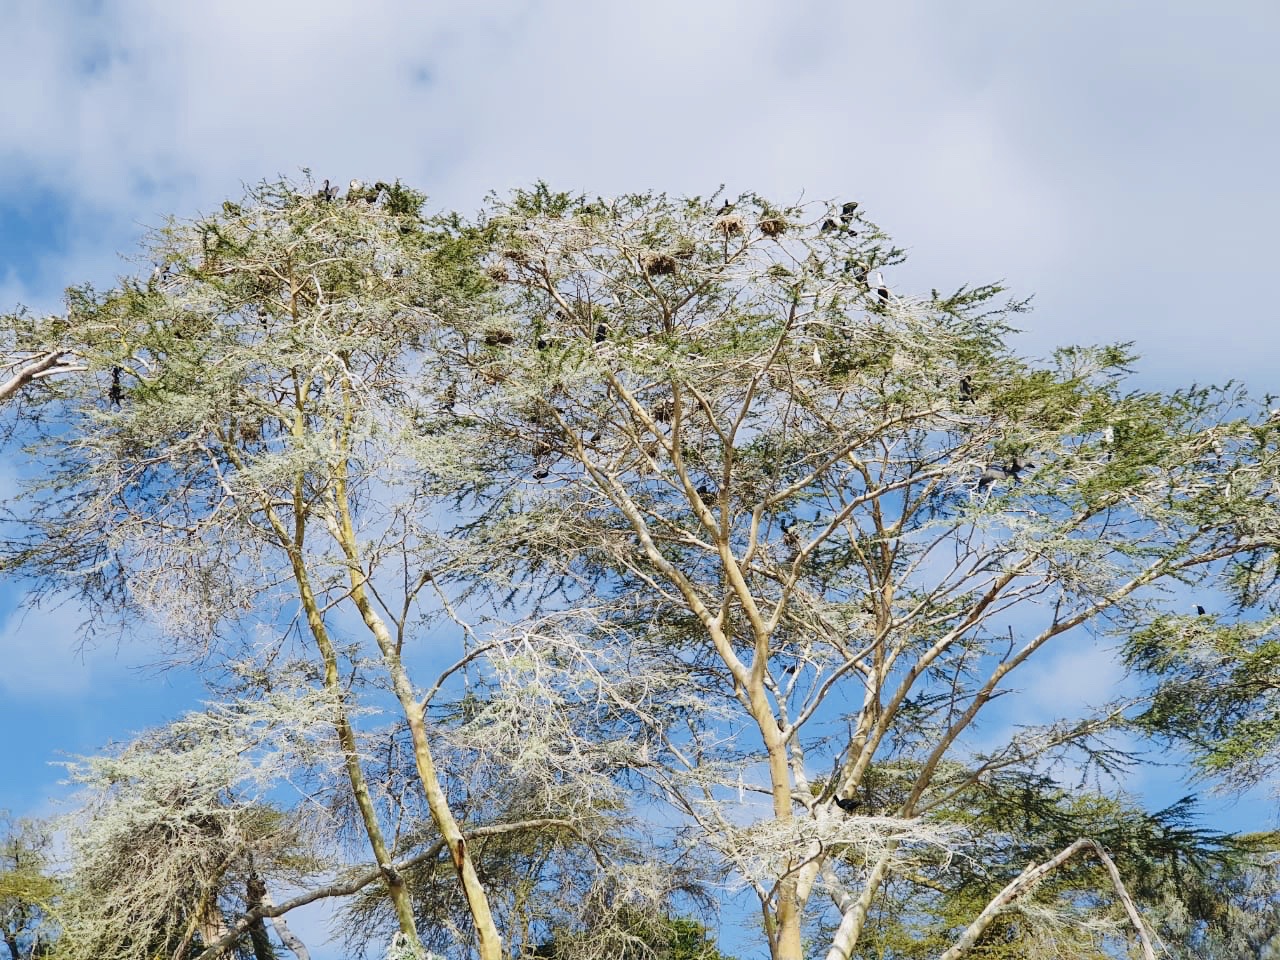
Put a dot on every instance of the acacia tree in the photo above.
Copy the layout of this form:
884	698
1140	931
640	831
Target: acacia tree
773	535
236	451
840	514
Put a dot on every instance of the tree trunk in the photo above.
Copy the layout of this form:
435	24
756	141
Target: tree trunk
255	889
287	936
489	941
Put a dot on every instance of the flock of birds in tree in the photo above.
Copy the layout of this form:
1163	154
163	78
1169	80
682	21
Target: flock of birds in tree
358	191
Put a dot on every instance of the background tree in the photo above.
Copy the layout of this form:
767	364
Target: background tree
177	835
27	888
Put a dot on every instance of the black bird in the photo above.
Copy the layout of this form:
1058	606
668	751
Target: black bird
790	538
726	209
791	669
1016	466
966	389
327	192
541	343
601	332
848	212
116	393
828	225
1199	610
847	804
706	494
541	473
992	474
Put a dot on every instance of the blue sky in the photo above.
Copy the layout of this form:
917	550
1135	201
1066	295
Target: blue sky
1116	160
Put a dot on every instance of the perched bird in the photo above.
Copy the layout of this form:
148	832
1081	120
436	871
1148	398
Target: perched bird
1108	435
817	356
116	392
966	389
848	212
601	332
847	804
1016	466
992	474
726	209
327	192
882	291
705	493
540	473
828	225
790	538
1199	610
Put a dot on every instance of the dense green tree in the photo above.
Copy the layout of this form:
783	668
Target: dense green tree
27	887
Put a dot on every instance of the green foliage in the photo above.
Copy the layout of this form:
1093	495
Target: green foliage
704	510
28	890
665	938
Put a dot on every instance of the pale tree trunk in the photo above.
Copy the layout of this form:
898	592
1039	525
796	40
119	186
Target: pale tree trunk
395	885
287	936
489	941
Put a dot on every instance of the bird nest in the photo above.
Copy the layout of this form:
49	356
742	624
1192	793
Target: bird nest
498	337
497	272
773	226
730	224
655	263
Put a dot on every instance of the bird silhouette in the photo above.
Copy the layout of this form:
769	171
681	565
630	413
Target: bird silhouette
966	389
1199	610
847	804
848	212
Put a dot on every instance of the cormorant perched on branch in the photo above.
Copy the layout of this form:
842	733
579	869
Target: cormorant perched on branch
993	473
601	333
847	804
827	226
116	393
1016	466
966	389
327	192
996	472
1199	610
848	212
725	210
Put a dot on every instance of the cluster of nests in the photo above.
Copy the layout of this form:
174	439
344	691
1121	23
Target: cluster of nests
657	263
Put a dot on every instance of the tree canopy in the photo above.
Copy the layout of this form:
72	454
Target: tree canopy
629	551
